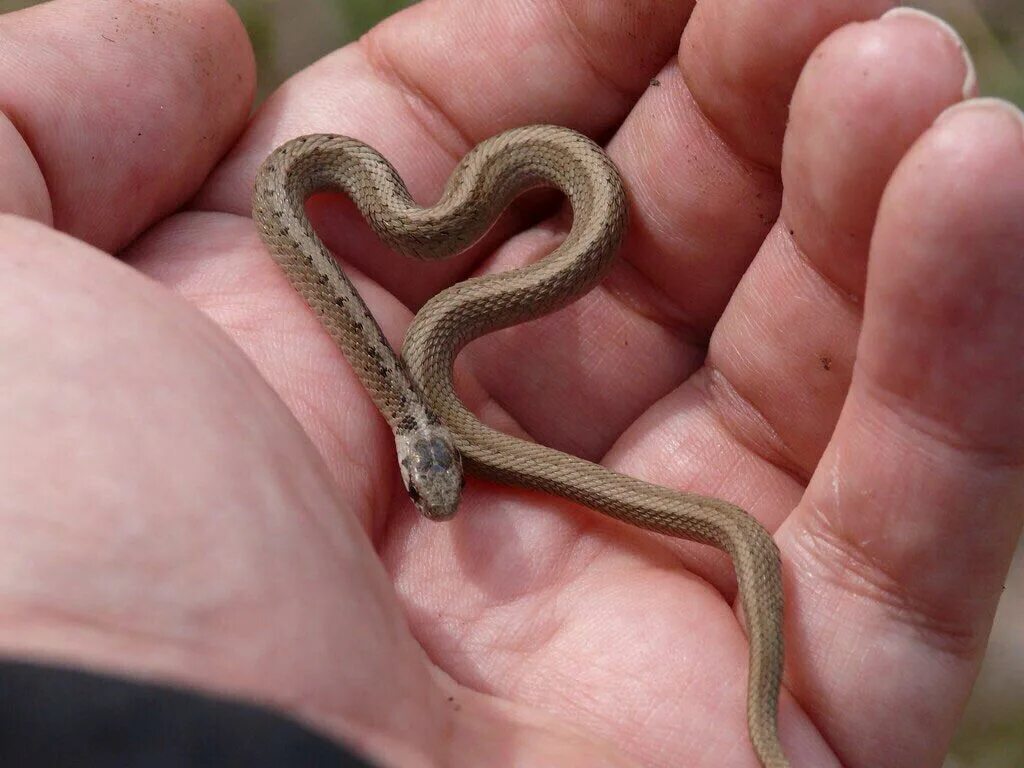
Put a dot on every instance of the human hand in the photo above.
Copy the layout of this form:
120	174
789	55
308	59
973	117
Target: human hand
168	516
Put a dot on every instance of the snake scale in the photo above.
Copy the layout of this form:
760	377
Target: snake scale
435	434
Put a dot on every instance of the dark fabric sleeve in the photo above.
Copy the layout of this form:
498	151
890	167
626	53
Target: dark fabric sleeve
56	716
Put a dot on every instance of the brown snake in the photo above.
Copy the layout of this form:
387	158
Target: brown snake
434	432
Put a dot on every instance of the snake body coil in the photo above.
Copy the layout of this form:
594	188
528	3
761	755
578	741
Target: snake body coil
434	432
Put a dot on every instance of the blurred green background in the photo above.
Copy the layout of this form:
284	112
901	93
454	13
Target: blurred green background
289	34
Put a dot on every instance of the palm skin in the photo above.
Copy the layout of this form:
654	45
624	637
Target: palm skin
815	315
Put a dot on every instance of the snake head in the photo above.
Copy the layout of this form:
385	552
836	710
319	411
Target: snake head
431	469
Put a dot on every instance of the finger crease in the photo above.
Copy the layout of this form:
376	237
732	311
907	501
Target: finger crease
934	429
851	567
583	54
390	74
761	439
854	300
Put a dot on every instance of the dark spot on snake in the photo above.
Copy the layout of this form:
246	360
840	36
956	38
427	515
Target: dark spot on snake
407	424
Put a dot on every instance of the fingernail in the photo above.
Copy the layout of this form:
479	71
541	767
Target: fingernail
970	84
986	104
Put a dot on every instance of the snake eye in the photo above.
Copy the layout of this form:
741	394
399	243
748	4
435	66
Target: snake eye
414	494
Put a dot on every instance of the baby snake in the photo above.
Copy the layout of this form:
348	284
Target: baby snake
434	432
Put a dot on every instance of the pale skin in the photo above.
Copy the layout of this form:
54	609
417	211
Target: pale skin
816	316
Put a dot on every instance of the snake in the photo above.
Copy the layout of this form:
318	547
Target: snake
437	439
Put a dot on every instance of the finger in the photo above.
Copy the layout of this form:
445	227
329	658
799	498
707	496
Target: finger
745	90
123	119
704	192
897	555
778	366
163	514
784	350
